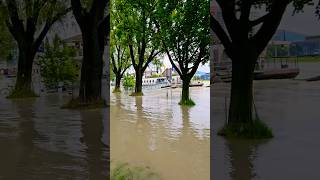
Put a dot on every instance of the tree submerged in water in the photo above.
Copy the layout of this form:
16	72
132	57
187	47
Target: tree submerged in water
185	36
135	21
94	22
119	50
244	39
29	22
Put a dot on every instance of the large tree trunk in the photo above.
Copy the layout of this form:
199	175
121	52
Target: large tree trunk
24	74
241	91
92	65
138	85
185	90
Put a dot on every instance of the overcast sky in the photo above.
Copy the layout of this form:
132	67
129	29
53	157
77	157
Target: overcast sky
305	22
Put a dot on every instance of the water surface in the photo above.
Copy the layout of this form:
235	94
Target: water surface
154	131
39	140
291	109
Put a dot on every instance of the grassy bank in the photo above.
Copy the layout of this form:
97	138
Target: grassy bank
309	59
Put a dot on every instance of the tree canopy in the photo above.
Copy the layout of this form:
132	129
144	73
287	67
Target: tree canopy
184	27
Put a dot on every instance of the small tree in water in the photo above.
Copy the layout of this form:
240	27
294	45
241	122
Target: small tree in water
142	37
58	64
120	56
184	26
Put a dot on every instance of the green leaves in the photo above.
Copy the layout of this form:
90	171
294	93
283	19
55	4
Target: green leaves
184	27
58	63
6	42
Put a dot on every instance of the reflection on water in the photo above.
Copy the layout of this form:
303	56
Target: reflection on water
154	131
39	140
291	109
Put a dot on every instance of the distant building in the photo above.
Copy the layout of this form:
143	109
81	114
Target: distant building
308	47
285	35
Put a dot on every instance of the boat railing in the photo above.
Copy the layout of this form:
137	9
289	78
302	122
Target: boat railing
283	62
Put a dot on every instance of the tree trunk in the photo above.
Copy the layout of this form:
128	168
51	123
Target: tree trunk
241	91
24	74
118	81
185	90
92	65
138	86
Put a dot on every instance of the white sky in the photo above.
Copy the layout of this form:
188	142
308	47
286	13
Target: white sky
203	68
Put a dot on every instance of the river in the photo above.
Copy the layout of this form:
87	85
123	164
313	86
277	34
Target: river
41	141
153	131
291	109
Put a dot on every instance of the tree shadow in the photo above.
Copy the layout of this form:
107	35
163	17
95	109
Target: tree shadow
242	155
97	152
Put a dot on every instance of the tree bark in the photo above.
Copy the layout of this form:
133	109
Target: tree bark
185	90
138	86
92	65
24	74
118	81
240	110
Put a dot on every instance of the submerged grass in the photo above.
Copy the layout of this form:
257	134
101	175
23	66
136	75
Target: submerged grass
77	104
116	90
188	102
136	94
22	93
126	172
254	130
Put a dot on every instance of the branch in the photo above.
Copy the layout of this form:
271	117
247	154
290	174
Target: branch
270	25
132	56
170	59
125	69
230	20
78	11
113	62
16	26
197	63
222	35
259	20
150	58
47	27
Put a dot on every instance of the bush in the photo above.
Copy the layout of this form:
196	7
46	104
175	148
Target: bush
58	63
128	81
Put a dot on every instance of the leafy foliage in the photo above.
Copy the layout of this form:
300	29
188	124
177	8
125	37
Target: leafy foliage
7	43
135	25
58	63
128	81
119	50
185	33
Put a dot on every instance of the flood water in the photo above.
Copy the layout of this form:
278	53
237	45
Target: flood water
40	141
291	109
153	131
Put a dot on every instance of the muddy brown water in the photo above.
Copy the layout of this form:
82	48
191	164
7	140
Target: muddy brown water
291	109
153	131
40	141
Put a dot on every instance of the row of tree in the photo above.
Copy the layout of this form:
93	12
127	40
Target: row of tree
29	21
143	30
